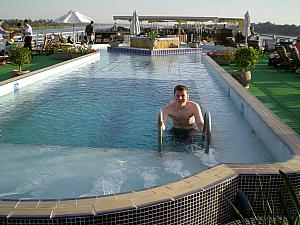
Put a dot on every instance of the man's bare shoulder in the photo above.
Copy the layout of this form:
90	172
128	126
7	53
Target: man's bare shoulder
193	104
169	107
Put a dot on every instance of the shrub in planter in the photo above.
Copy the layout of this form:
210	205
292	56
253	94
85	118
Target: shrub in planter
245	58
20	56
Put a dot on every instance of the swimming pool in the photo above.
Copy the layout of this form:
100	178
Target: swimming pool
92	131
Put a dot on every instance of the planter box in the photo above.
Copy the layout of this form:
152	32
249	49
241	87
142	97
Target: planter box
194	44
62	55
221	60
66	55
160	43
75	55
114	44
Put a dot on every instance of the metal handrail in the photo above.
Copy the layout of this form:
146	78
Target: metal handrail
207	131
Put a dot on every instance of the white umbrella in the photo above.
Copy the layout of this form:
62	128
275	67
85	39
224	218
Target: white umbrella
135	28
73	17
246	29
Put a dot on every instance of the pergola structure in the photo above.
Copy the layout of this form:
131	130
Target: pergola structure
182	19
178	19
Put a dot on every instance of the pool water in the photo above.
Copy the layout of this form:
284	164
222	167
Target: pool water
92	131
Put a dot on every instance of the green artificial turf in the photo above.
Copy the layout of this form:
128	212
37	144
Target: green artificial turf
278	89
38	62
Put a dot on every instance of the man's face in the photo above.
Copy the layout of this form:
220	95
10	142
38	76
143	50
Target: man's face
181	98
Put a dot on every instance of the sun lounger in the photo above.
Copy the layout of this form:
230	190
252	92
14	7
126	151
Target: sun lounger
44	48
3	60
294	54
284	60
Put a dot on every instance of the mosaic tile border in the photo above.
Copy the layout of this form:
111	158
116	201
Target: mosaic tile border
155	52
199	199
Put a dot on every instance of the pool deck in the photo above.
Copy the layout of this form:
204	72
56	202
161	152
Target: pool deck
278	89
15	83
198	199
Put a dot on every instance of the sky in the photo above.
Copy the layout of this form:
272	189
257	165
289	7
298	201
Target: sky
274	11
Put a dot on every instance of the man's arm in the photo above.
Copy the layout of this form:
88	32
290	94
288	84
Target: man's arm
5	31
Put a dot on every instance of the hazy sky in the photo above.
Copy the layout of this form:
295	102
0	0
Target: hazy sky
275	11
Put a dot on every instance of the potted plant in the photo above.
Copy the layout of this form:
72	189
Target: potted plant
20	56
114	41
245	58
152	40
68	52
80	51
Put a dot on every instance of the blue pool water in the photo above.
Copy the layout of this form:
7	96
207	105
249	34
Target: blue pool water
92	131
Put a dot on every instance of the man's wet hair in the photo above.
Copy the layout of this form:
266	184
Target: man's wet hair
181	87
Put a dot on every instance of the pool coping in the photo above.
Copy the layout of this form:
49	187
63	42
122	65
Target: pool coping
288	136
171	192
15	83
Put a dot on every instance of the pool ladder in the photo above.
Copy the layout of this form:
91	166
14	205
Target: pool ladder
206	136
207	131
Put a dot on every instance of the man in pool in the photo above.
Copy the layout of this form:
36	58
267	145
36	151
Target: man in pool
185	114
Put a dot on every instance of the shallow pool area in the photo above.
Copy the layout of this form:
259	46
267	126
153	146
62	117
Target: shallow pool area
92	131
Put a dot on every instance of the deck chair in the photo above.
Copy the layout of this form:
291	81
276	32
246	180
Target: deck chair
48	47
294	53
285	60
44	48
231	41
56	41
38	48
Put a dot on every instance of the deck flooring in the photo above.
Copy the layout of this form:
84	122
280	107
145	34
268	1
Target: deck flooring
278	89
38	62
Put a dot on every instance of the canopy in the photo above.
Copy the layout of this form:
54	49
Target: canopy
73	17
135	28
246	29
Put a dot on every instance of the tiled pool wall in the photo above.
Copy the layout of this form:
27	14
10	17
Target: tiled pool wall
275	134
14	84
199	199
154	52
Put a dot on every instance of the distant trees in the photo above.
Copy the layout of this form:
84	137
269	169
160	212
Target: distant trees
261	28
271	28
40	23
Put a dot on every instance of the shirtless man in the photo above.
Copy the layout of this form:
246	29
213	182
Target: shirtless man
184	113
